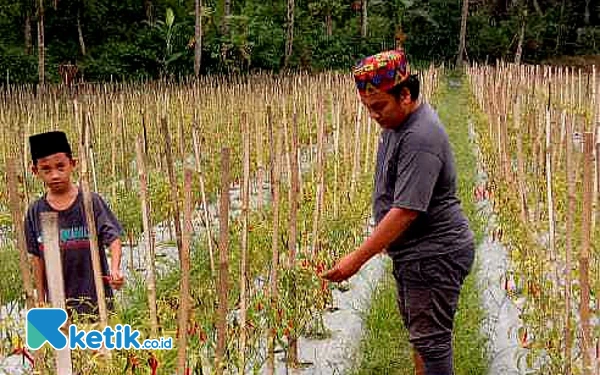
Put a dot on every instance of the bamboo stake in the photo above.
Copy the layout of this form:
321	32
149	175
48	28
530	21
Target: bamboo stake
244	257
176	216
522	183
596	182
113	158
124	166
221	364
571	197
184	292
55	282
336	166
293	236
205	211
276	175
16	210
91	224
549	191
271	144
368	146
259	165
356	160
148	238
320	183
586	344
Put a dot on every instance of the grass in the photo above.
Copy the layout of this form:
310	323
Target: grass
385	348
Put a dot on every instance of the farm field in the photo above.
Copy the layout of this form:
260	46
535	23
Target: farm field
236	193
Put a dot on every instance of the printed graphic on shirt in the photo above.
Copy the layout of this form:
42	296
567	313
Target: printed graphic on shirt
74	238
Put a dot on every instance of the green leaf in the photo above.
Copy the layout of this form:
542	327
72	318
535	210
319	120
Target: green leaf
170	19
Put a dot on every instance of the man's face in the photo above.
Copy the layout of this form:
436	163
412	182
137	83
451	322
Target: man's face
55	170
388	111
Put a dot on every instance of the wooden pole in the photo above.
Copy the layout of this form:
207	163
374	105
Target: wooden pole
276	174
336	167
54	278
148	237
259	164
176	215
205	212
113	158
223	265
184	292
584	256
293	235
549	190
571	197
368	147
356	159
320	182
16	210
244	257
89	214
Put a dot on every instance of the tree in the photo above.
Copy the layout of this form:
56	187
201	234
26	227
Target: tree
148	10
463	33
197	37
79	28
226	15
27	27
289	39
363	19
41	51
519	52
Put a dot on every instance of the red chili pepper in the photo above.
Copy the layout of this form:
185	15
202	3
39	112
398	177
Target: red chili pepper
23	351
153	363
524	342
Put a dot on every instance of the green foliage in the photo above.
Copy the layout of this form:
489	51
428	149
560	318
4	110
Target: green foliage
122	43
11	288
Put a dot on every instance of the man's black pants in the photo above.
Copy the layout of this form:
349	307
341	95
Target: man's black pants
428	291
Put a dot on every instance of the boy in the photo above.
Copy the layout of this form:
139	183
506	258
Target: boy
53	163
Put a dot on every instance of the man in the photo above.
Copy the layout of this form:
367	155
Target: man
419	219
53	163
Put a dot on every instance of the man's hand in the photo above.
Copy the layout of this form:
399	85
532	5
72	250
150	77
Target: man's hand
391	226
116	279
345	268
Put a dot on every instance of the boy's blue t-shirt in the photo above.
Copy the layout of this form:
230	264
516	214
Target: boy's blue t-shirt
75	247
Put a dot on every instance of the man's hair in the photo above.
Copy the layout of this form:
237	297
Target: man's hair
411	83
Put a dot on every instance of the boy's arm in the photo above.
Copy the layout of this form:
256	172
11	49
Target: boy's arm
117	279
40	279
109	232
33	248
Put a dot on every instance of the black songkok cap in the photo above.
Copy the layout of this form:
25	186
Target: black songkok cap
46	144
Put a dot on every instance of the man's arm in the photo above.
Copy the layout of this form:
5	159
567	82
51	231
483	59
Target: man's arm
40	279
393	224
117	279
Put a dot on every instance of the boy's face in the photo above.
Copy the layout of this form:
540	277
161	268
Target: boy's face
55	170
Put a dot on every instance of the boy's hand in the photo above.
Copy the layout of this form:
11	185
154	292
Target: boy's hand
116	279
345	268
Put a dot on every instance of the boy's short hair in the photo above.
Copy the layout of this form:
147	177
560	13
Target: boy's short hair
50	143
411	83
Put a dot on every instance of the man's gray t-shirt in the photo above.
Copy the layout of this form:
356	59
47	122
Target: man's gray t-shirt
415	170
78	273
